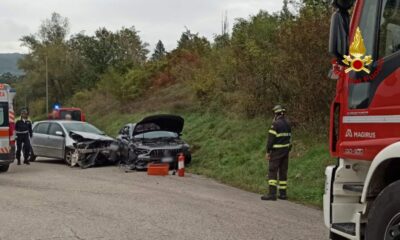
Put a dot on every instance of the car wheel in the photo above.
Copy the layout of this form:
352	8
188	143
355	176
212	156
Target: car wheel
384	217
68	156
4	168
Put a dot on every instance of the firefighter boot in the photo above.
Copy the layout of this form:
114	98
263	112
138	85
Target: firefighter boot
282	194
271	196
26	161
18	161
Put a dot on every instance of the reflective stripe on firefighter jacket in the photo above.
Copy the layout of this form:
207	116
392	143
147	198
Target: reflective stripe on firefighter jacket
279	135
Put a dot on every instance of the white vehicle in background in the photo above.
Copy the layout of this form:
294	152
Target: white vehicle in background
7	127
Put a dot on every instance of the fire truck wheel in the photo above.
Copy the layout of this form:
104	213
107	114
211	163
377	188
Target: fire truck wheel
384	217
4	168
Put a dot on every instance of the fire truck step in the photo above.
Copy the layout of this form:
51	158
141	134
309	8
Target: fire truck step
353	187
349	228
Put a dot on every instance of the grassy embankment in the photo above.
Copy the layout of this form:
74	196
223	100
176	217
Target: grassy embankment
231	150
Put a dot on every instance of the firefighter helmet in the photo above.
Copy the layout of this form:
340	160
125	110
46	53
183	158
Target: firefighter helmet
343	4
278	109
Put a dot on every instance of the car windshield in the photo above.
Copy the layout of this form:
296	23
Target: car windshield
156	134
81	127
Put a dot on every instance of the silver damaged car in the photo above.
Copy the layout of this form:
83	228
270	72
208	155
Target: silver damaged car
78	143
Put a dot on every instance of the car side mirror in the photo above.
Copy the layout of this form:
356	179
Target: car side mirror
59	133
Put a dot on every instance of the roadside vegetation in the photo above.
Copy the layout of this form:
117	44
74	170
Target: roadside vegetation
224	88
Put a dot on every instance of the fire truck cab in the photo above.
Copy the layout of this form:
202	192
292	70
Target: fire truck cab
362	191
7	127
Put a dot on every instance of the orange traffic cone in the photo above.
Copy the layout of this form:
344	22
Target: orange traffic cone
181	165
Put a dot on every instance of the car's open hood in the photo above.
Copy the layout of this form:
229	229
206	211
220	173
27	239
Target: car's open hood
170	123
92	136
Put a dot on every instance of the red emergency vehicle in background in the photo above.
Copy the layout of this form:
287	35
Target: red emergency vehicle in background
362	192
61	113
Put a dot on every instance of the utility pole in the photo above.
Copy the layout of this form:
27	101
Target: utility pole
47	88
225	23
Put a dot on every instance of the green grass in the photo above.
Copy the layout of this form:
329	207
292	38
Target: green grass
232	151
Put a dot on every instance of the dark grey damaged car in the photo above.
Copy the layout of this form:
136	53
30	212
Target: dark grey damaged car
155	139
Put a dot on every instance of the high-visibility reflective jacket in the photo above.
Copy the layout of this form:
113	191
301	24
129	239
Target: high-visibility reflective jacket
279	135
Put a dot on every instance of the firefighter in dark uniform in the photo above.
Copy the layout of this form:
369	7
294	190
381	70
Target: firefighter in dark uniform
278	148
23	128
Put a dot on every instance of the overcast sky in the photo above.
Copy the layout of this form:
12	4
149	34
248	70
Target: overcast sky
155	19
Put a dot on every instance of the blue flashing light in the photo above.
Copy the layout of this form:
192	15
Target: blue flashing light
56	106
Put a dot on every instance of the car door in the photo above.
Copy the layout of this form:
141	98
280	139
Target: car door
39	139
56	141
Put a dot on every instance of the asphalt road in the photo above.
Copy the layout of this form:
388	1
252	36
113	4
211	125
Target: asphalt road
49	200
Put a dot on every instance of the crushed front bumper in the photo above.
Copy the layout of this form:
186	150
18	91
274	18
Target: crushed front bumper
86	157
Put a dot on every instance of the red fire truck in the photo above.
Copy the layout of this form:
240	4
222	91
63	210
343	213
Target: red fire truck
62	113
362	192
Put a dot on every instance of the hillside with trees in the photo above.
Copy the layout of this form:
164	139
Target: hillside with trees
268	58
225	88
